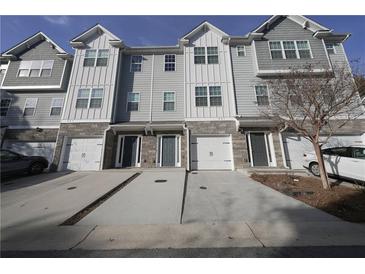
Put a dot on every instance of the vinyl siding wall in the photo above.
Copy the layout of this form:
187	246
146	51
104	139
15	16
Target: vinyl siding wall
286	29
92	77
209	75
40	51
42	113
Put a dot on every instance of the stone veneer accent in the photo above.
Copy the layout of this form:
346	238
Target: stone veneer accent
240	154
76	130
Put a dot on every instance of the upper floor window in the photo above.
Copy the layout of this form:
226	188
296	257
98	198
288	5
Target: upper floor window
304	49
330	47
56	106
241	51
133	101
30	106
89	98
136	63
212	53
276	50
289	50
169	101
262	95
35	68
201	97
199	55
170	61
96	57
215	96
5	105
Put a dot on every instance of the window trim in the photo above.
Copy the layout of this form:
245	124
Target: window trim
95	58
212	55
205	56
296	49
35	107
163	101
268	95
89	98
139	101
40	69
207	96
238	51
50	110
10	99
220	89
164	63
130	65
333	47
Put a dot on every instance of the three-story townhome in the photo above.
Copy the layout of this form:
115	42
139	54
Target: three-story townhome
34	79
269	51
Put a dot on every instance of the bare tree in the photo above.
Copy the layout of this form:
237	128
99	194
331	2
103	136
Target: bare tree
314	103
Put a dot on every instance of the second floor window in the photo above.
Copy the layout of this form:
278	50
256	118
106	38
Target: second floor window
212	55
199	55
35	68
241	51
136	63
133	101
95	57
201	97
215	96
5	105
170	61
262	95
56	106
30	106
89	98
169	101
304	49
330	47
289	50
276	50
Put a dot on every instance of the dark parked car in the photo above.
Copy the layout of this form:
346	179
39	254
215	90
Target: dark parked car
15	163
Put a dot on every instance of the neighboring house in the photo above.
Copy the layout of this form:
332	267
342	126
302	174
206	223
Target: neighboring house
195	105
34	79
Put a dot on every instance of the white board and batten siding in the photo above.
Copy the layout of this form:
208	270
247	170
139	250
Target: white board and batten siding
208	75
92	77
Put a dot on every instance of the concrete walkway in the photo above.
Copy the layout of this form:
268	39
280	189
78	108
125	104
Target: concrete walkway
143	201
219	196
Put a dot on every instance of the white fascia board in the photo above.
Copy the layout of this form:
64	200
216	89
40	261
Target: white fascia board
53	87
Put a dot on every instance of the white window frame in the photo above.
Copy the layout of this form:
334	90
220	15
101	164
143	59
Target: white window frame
205	56
139	101
164	65
130	66
163	101
268	95
89	98
296	49
52	106
40	69
281	49
207	95
96	57
177	149
35	106
238	50
333	47
309	48
120	152
10	100
209	103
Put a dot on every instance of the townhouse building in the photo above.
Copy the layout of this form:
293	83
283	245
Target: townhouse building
195	105
34	79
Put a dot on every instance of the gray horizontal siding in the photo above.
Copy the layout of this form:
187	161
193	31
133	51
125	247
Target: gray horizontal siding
244	82
42	113
40	51
286	29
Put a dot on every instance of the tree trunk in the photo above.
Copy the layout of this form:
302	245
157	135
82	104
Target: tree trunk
322	169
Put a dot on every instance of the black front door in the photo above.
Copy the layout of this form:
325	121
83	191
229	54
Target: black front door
168	150
129	151
258	148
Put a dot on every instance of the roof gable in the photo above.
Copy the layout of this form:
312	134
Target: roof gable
204	26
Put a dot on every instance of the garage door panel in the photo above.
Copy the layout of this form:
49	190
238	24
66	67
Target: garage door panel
211	152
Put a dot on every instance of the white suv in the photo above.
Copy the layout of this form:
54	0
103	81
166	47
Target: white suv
346	162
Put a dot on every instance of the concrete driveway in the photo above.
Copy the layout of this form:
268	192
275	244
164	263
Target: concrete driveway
143	201
218	196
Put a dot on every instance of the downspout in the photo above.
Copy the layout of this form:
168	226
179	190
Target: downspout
187	147
282	146
151	95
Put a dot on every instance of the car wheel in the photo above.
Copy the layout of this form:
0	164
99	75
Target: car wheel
314	168
36	168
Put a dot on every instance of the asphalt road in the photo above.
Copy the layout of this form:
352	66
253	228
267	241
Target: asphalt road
247	252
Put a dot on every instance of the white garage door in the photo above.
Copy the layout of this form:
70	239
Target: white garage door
211	152
44	149
82	154
295	146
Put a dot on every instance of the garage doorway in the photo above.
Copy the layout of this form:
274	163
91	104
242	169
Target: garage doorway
129	151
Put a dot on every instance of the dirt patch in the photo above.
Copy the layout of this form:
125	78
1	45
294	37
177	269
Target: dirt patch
343	202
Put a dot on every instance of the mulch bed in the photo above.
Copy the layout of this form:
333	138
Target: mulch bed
343	202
